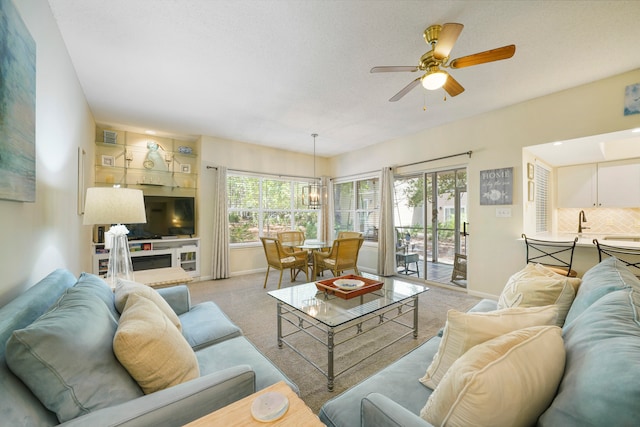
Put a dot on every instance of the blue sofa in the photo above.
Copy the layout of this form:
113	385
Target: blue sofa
230	366
601	381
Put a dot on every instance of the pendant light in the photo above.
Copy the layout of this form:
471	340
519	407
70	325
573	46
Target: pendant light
314	194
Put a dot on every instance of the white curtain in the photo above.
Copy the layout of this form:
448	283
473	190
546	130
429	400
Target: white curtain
386	235
327	213
220	247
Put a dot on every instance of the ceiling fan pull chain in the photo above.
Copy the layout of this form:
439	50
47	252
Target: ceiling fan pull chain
424	102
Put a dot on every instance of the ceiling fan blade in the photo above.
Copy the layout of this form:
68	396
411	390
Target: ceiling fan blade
447	38
504	52
405	90
394	68
452	86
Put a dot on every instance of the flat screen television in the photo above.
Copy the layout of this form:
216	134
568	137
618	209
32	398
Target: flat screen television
166	216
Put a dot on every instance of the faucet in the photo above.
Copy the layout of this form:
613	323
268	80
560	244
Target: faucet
582	218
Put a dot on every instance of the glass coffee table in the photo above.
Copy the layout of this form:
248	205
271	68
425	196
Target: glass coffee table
332	321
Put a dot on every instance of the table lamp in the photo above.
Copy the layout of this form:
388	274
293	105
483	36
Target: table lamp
114	205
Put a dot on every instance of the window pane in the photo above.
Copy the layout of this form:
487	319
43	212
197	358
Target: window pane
307	222
343	196
243	227
276	194
274	222
243	192
297	195
368	194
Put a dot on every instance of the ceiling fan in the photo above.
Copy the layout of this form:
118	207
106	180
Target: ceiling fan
441	38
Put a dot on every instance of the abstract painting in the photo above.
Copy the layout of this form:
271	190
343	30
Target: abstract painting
17	107
632	99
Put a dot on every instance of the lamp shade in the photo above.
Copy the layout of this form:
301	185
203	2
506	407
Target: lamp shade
111	205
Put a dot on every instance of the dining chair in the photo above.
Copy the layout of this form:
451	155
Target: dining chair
342	256
555	255
629	256
280	260
348	234
291	239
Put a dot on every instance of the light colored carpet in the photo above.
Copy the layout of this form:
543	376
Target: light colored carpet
244	300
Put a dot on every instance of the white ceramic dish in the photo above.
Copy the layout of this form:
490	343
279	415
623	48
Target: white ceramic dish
269	406
349	284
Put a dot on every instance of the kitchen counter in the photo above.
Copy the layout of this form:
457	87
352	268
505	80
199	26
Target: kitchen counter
586	239
586	254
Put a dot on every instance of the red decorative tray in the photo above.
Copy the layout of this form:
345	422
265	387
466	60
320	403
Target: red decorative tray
327	286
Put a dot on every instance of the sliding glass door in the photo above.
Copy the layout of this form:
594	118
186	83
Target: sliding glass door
430	220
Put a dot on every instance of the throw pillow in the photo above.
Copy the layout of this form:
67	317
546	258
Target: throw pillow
126	288
600	382
507	381
465	330
531	287
607	276
66	358
151	348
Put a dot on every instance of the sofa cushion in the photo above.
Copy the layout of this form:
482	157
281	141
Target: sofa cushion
601	383
465	330
507	381
125	288
100	288
536	286
605	277
151	348
66	358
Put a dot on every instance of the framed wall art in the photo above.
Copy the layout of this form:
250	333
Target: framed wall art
108	160
17	108
496	186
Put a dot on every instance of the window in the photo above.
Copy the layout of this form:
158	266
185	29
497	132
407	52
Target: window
542	198
357	207
263	206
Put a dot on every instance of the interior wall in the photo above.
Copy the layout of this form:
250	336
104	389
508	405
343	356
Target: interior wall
496	139
39	237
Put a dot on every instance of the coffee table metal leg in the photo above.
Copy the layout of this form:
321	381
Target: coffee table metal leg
279	324
330	359
415	317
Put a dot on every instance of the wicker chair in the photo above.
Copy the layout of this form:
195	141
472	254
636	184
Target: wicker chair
342	256
349	234
291	239
280	260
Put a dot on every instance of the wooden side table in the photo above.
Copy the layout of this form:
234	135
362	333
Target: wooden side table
239	413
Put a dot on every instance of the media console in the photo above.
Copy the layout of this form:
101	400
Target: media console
152	254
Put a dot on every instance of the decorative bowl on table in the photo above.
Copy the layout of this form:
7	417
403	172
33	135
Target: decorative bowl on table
348	284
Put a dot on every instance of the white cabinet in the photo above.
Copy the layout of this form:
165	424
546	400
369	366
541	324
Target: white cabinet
619	184
577	186
608	184
150	254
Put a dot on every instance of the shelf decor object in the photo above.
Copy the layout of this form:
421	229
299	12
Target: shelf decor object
113	205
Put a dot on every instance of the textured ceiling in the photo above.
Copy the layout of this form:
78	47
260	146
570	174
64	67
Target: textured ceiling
273	72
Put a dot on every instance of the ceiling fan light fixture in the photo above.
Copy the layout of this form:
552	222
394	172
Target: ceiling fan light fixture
434	79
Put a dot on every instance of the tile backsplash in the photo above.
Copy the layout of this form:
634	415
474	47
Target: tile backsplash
601	220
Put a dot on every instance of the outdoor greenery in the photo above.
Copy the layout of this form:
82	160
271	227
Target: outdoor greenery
262	207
